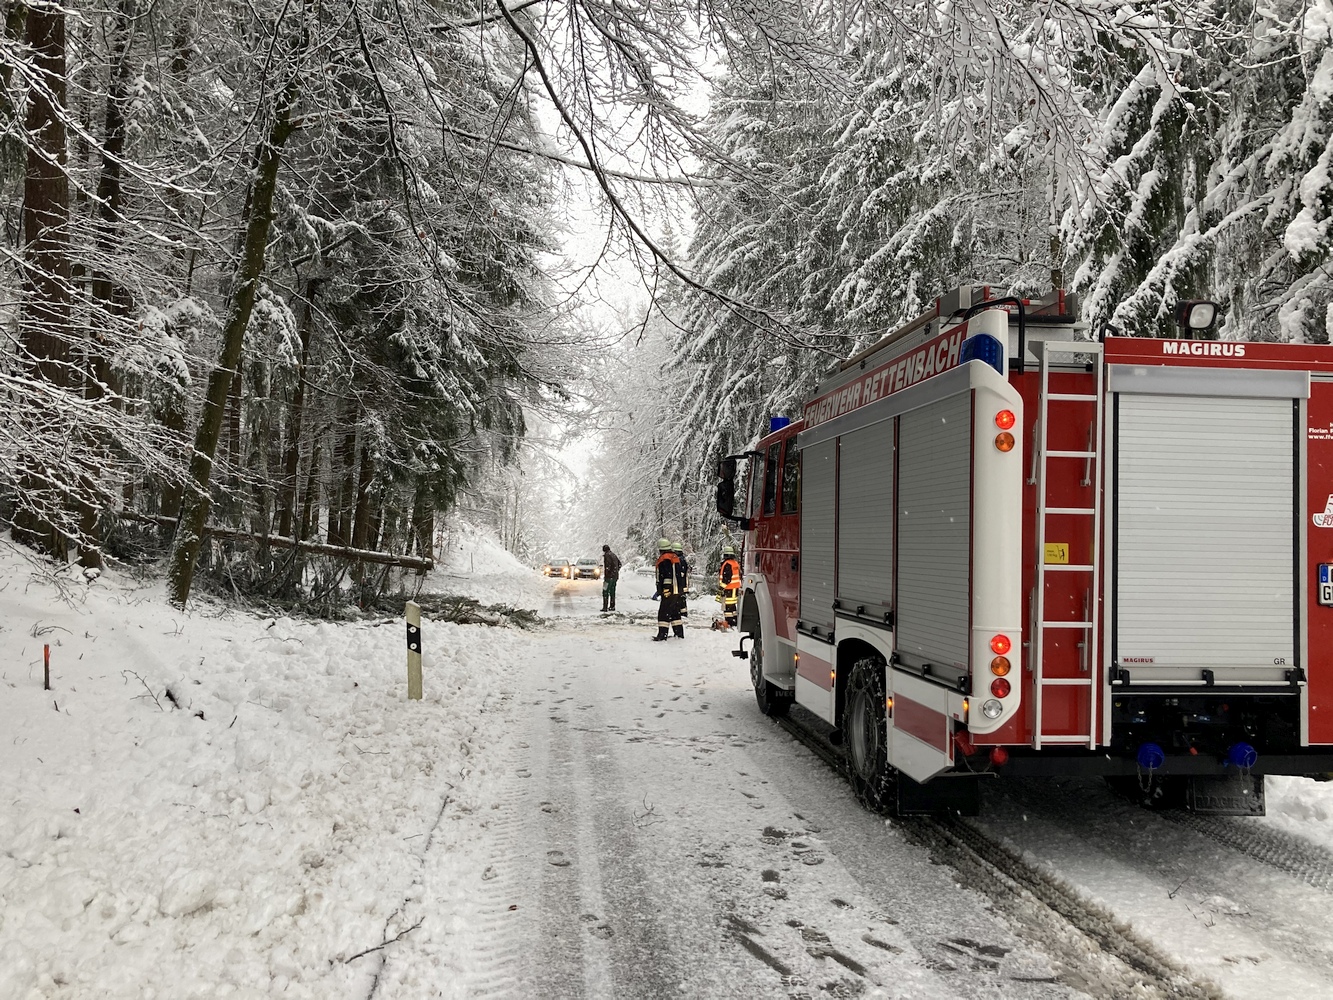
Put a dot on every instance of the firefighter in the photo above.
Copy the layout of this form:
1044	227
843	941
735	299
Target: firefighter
669	585
729	583
679	550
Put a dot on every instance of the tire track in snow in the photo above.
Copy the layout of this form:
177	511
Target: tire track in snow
474	937
1298	858
1251	912
1100	955
593	863
501	928
568	963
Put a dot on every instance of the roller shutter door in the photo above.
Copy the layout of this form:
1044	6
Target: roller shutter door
1205	530
865	518
934	537
818	479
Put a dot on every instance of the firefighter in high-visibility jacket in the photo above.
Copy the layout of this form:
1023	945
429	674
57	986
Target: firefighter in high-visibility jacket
670	586
729	584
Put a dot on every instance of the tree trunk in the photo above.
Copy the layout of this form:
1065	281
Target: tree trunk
361	517
173	418
310	502
341	551
293	457
334	504
110	193
259	221
234	456
375	538
347	492
98	378
44	319
16	16
423	519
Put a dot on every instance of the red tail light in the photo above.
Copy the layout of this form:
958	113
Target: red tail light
1000	644
1000	687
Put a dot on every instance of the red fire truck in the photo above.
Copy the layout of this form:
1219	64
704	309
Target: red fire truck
995	542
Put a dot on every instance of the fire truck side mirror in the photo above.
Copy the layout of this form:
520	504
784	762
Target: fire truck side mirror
726	487
726	498
726	492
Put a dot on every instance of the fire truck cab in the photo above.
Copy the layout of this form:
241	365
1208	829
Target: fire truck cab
994	542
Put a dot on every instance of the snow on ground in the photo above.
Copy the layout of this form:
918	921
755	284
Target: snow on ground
214	804
472	562
1301	807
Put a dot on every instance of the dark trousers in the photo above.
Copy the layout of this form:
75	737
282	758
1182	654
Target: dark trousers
609	593
668	614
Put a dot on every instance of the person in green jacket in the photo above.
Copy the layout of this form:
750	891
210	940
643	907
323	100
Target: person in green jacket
610	574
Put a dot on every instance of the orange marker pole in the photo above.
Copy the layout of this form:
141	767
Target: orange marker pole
46	668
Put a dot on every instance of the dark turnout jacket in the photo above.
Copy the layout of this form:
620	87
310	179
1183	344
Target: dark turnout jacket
610	565
670	580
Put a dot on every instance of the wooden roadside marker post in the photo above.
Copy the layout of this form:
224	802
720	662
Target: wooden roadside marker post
413	651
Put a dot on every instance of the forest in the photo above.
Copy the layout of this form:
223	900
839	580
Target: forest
286	283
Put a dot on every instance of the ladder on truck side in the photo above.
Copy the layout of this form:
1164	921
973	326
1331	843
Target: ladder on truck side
1092	477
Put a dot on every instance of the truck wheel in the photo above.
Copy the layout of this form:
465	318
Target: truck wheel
772	700
867	735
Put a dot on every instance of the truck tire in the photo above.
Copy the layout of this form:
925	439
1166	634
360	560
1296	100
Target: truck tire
866	733
771	699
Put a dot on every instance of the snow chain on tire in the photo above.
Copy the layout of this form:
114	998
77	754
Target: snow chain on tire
867	736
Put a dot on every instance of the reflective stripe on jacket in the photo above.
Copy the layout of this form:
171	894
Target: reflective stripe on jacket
729	576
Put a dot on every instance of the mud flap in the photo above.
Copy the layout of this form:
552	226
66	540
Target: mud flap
956	794
1239	794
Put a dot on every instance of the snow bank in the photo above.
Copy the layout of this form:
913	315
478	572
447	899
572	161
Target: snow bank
473	562
1301	806
214	804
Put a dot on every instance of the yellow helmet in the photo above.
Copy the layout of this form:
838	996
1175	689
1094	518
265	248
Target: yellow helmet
728	550
664	545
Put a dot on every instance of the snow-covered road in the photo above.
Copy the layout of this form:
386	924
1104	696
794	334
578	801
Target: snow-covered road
661	839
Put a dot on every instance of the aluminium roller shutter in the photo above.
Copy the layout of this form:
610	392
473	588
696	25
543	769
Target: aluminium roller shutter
934	536
865	518
818	479
1205	531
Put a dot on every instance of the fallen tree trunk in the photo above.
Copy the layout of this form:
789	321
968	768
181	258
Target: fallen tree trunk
283	542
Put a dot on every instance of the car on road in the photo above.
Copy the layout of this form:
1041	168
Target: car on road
563	568
588	568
